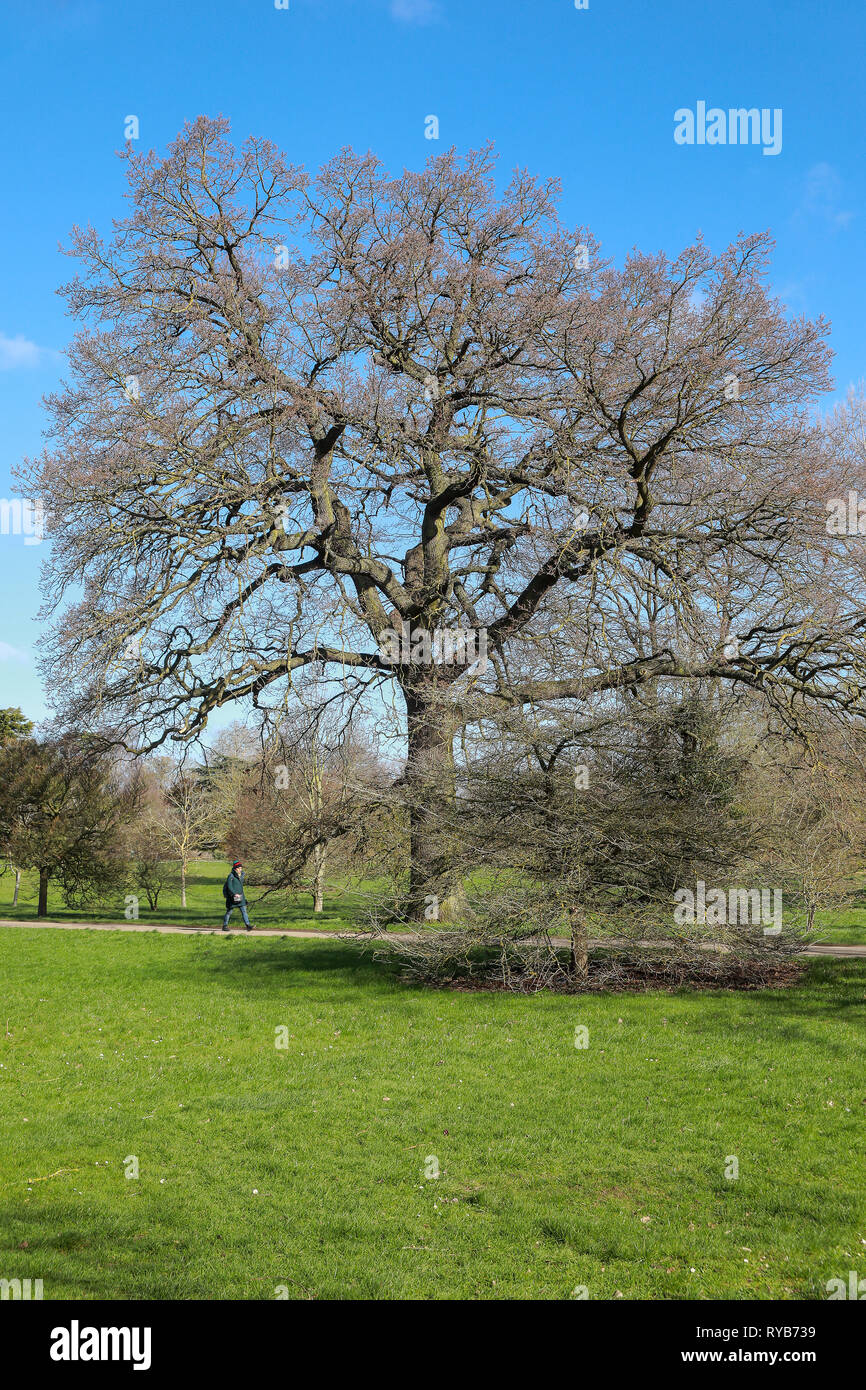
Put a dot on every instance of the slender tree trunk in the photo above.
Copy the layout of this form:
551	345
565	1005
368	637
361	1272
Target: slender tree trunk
17	886
319	856
579	944
320	850
183	883
42	905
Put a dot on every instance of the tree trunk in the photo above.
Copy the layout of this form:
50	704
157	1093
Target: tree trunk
42	905
319	854
579	944
17	885
183	883
430	784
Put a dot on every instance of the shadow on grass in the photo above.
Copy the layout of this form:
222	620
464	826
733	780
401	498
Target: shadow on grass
830	991
117	1260
296	959
827	988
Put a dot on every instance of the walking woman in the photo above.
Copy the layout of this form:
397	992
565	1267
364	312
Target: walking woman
233	892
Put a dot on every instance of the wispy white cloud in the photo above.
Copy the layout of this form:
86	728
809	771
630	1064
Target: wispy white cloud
823	195
794	294
21	352
8	653
415	11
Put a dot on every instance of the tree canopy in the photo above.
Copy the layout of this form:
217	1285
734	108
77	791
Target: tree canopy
306	411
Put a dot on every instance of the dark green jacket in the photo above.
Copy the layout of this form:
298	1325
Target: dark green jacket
234	884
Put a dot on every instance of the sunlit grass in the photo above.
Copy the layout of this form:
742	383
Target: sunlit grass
560	1166
347	904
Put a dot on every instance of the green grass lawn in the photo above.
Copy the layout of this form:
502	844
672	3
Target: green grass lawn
205	905
559	1166
842	926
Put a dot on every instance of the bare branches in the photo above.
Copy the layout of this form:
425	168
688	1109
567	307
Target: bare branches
307	411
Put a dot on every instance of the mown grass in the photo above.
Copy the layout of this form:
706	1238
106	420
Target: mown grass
560	1166
843	926
347	904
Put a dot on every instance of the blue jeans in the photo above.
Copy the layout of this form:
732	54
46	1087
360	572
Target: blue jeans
242	908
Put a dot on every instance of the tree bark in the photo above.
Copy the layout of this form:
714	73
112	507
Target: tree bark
430	785
319	854
579	944
42	905
17	885
183	883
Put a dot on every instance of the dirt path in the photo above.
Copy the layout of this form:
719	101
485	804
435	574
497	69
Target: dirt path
816	949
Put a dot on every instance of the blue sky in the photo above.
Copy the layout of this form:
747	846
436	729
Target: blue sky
586	95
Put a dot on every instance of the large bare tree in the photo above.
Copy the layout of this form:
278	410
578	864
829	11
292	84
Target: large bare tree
307	411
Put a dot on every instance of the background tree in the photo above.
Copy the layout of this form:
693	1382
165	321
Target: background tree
230	761
13	725
186	818
308	797
62	812
148	846
809	808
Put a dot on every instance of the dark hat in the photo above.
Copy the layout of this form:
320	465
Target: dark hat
237	864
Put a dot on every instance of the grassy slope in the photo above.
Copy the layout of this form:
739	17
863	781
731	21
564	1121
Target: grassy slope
344	906
560	1166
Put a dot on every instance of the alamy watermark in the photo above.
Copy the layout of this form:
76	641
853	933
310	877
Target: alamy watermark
446	646
846	516
23	516
77	1343
714	907
20	1289
856	1287
736	126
